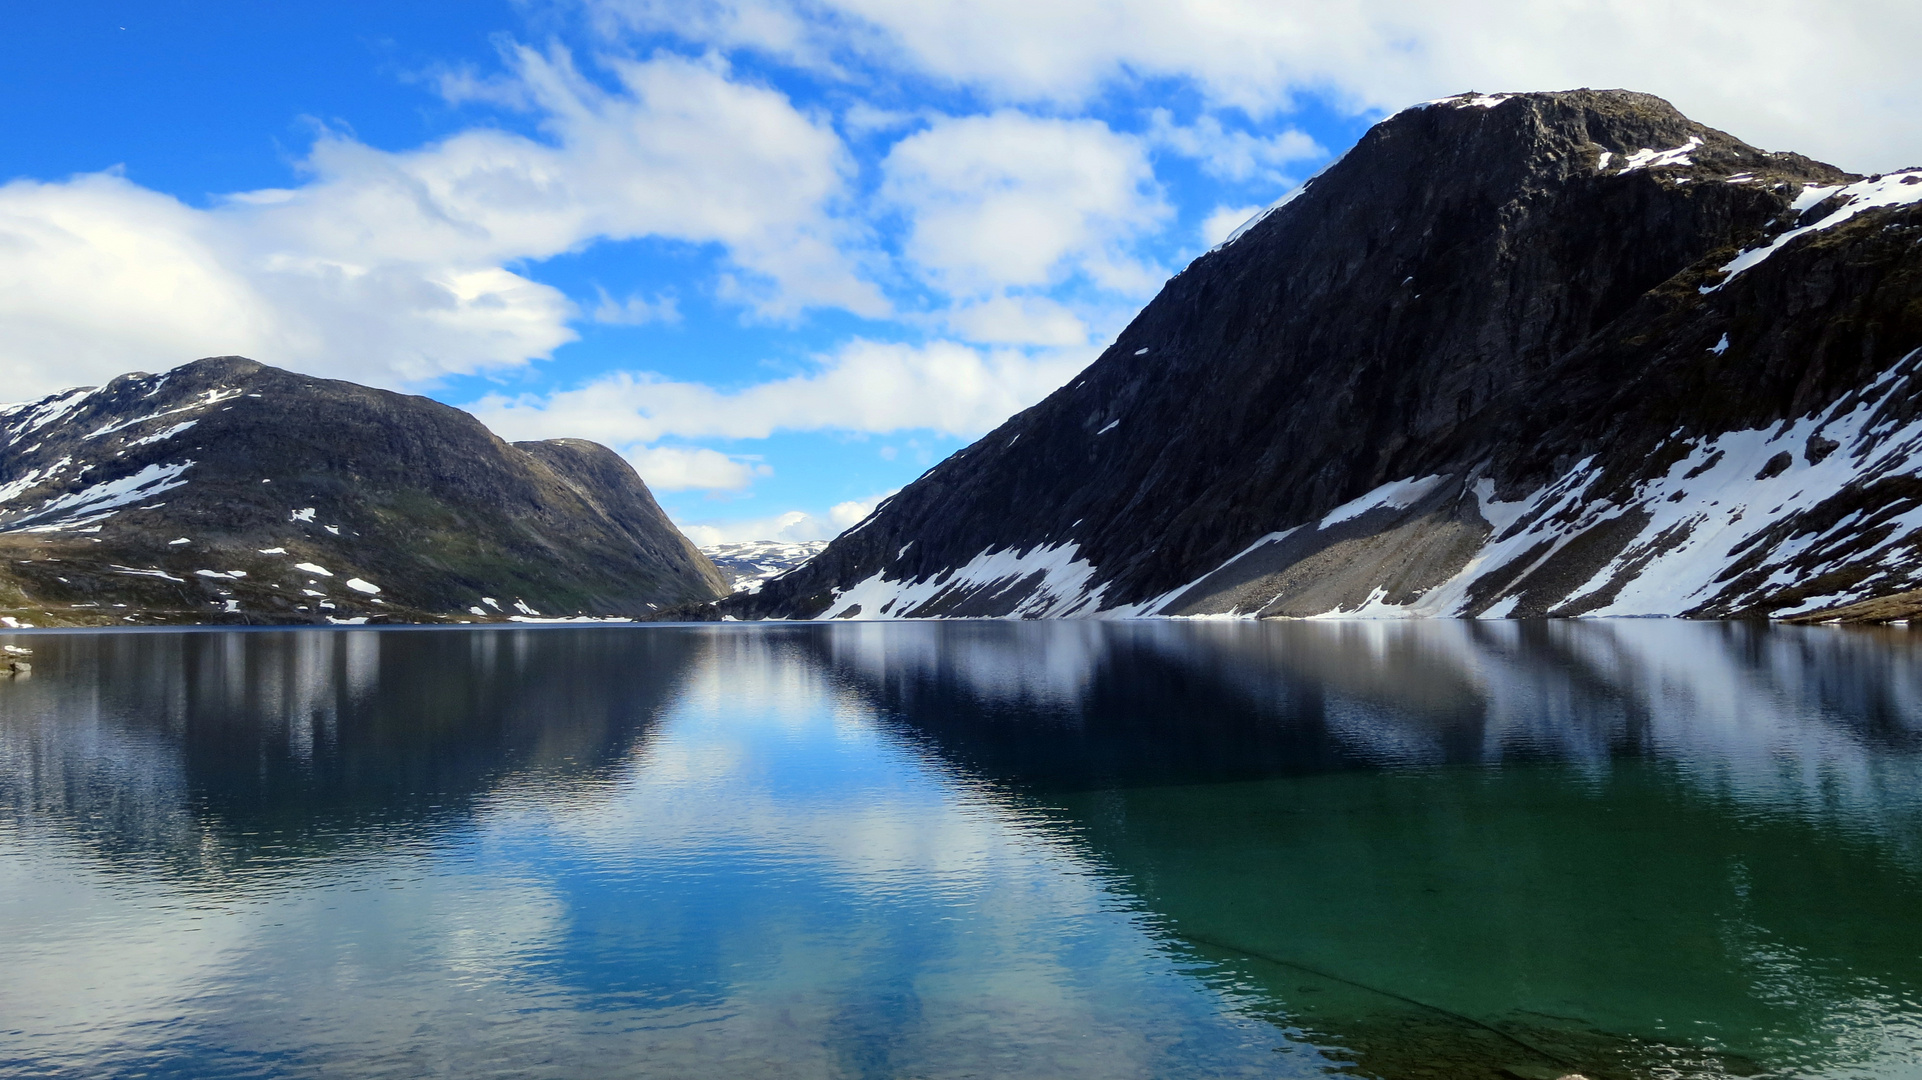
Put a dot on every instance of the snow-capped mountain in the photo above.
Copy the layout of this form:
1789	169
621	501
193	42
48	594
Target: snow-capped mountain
1512	355
225	490
752	563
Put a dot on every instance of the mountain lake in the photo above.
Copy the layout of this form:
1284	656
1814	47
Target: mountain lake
1637	848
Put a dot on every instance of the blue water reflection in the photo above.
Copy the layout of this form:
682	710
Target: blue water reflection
1143	849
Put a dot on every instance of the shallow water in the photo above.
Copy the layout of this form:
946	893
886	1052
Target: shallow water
972	849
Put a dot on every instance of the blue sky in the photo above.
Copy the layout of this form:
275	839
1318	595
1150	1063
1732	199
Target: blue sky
784	254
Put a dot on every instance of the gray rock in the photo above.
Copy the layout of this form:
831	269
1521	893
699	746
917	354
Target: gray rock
1513	302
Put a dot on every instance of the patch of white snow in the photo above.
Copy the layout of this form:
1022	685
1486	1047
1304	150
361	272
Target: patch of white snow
91	504
1894	189
1395	494
1649	158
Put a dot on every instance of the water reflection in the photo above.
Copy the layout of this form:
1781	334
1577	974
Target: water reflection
1623	848
207	752
1145	849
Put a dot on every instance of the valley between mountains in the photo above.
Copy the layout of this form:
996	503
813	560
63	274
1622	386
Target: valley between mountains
1556	354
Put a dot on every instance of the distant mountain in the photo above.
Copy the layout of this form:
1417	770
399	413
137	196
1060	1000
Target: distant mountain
228	491
752	563
1512	355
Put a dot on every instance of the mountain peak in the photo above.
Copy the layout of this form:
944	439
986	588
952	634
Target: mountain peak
1486	296
1503	147
1566	123
229	490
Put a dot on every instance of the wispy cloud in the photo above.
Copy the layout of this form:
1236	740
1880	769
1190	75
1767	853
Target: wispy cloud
1230	153
1836	79
1222	223
636	310
865	386
792	525
977	199
680	468
393	267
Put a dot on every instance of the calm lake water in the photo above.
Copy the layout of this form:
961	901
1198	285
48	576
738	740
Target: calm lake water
1508	850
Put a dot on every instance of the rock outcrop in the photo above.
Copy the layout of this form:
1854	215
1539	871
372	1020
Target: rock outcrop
1516	355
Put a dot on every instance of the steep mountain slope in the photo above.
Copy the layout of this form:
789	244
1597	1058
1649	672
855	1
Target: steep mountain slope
1537	354
226	490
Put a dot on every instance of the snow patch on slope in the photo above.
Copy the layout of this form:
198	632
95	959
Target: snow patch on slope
1650	158
49	410
1735	519
751	564
163	435
1054	581
93	504
1469	100
210	398
1702	516
1241	230
1396	494
1894	189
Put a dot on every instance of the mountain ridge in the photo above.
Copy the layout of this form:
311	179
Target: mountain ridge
226	490
1362	403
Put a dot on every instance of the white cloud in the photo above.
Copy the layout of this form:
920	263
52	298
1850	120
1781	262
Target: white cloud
682	151
861	118
1836	80
709	533
636	310
99	276
1016	320
679	468
866	386
792	525
846	515
1224	221
1011	200
1232	155
390	268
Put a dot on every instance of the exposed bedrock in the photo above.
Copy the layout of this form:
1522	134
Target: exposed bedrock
1537	354
230	491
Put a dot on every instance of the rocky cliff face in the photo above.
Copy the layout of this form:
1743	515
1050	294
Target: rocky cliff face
229	491
1536	354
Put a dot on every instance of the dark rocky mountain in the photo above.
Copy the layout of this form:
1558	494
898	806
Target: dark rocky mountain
228	491
1516	355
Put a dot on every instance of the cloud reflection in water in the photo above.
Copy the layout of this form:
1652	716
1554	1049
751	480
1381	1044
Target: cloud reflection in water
1149	849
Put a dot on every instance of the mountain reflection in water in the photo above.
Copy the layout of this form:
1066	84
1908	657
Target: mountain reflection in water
1033	849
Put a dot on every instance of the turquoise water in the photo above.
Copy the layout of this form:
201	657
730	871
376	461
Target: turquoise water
1625	849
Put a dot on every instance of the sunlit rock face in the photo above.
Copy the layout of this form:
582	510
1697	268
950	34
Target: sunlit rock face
229	491
1517	355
